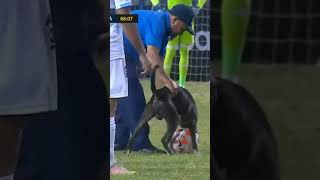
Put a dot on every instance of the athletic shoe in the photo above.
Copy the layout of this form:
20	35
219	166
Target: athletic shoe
118	170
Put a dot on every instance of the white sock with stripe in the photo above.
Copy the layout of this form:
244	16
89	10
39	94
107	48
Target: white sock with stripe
112	139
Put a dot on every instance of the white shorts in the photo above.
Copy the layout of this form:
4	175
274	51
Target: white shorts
118	78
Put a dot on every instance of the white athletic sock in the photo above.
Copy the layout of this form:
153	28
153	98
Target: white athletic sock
10	177
112	138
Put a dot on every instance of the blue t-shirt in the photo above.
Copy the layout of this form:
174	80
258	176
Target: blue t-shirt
154	29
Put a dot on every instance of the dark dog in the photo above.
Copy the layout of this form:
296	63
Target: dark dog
244	147
176	110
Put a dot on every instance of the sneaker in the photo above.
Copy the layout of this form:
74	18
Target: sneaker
152	149
118	170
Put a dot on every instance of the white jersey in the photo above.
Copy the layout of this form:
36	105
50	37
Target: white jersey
116	33
28	74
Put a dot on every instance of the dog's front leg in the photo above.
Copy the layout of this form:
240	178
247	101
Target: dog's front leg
193	132
171	116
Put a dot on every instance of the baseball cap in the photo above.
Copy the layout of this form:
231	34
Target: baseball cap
185	14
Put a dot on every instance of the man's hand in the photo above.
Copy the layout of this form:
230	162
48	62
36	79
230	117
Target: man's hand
146	63
162	79
172	86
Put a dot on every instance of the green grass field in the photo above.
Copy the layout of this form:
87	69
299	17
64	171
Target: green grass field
167	167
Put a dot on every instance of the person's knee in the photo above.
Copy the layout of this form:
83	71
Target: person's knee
172	47
113	107
184	51
171	51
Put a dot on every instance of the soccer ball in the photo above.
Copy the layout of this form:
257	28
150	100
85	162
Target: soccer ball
181	141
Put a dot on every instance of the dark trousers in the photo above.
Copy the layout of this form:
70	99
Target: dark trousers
130	109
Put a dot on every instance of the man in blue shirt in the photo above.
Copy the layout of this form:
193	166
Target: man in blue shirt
155	29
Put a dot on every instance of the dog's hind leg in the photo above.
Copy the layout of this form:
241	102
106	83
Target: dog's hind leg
193	132
189	121
146	116
171	116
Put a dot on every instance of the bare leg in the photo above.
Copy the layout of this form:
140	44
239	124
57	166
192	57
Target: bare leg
113	107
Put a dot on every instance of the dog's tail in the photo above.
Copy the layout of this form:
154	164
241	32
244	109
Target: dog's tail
153	85
153	77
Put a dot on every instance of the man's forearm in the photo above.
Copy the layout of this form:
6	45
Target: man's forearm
158	61
153	53
163	77
131	31
166	78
